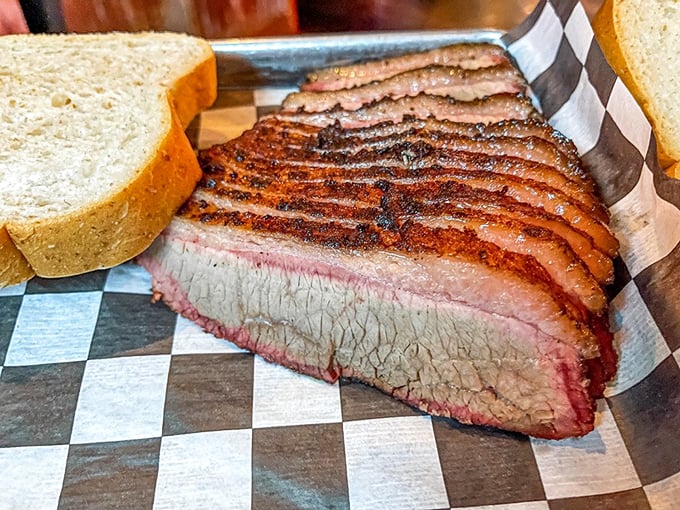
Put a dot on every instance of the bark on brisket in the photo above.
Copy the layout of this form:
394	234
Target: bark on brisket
267	173
502	156
394	209
530	148
531	143
449	198
511	128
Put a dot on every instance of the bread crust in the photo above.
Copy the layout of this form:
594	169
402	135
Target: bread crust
674	171
605	25
14	267
195	91
123	225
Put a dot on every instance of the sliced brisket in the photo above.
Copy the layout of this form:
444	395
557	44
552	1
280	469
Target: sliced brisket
530	148
466	56
455	82
523	128
502	155
527	139
451	253
550	250
352	180
486	110
331	314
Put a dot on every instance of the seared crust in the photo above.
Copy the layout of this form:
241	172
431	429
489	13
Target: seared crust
510	128
502	155
255	171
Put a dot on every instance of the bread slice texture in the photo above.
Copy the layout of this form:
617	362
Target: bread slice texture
94	161
639	39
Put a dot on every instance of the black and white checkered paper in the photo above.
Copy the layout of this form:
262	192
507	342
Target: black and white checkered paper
110	401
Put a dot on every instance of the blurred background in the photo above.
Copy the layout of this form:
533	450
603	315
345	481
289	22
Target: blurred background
243	18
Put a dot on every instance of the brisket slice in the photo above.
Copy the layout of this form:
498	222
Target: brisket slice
454	262
456	82
486	110
527	140
408	325
519	129
467	56
263	173
551	251
434	199
401	162
529	148
523	128
503	155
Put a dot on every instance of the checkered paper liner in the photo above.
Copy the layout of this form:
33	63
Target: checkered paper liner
110	401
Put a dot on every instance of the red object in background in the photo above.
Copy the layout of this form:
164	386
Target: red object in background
12	18
364	15
208	18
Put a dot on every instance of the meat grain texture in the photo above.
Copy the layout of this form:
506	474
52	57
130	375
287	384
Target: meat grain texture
450	251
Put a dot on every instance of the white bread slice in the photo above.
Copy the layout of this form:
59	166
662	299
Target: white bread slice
94	161
640	41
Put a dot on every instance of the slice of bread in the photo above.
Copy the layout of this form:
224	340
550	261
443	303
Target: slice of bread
94	160
640	41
